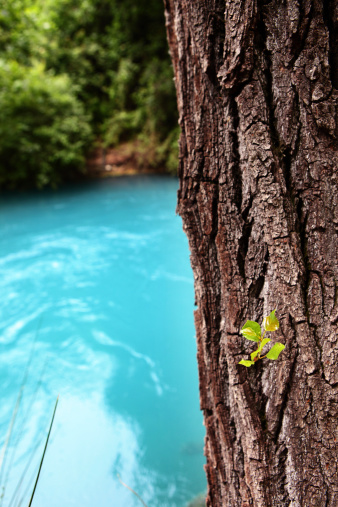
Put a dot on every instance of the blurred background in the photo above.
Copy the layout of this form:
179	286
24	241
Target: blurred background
95	282
78	76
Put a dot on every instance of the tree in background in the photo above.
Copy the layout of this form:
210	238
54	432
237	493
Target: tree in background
257	95
113	56
26	30
44	132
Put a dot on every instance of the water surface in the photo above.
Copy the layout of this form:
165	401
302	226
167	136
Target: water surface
97	306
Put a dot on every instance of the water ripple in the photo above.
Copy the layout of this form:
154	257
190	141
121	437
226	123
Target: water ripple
104	339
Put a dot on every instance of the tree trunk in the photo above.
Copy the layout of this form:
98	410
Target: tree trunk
257	98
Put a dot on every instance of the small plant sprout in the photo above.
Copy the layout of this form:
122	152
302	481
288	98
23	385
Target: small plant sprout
252	331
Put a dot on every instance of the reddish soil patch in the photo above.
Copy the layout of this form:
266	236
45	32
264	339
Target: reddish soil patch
121	160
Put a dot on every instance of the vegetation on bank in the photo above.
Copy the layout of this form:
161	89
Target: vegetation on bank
75	73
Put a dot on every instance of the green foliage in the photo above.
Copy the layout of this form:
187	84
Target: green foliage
246	363
117	55
25	29
270	323
44	131
167	152
252	331
275	351
69	67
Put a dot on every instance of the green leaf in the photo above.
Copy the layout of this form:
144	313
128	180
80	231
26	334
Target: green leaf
275	351
271	322
251	331
263	342
246	363
260	347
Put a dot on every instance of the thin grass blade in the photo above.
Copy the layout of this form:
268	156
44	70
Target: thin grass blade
4	450
44	452
130	489
25	418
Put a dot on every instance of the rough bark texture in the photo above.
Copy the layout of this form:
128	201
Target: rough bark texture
257	96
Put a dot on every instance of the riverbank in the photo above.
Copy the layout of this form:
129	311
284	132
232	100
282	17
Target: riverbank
125	159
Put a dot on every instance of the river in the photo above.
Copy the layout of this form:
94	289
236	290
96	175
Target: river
97	307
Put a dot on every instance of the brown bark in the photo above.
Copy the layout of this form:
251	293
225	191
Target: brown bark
256	85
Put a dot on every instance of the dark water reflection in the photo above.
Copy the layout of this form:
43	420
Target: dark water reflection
96	282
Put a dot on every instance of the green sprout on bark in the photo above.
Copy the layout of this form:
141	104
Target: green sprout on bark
252	331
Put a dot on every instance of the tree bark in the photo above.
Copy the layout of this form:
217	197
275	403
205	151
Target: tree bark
256	85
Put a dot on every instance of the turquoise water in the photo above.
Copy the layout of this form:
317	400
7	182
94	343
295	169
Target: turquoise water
97	306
